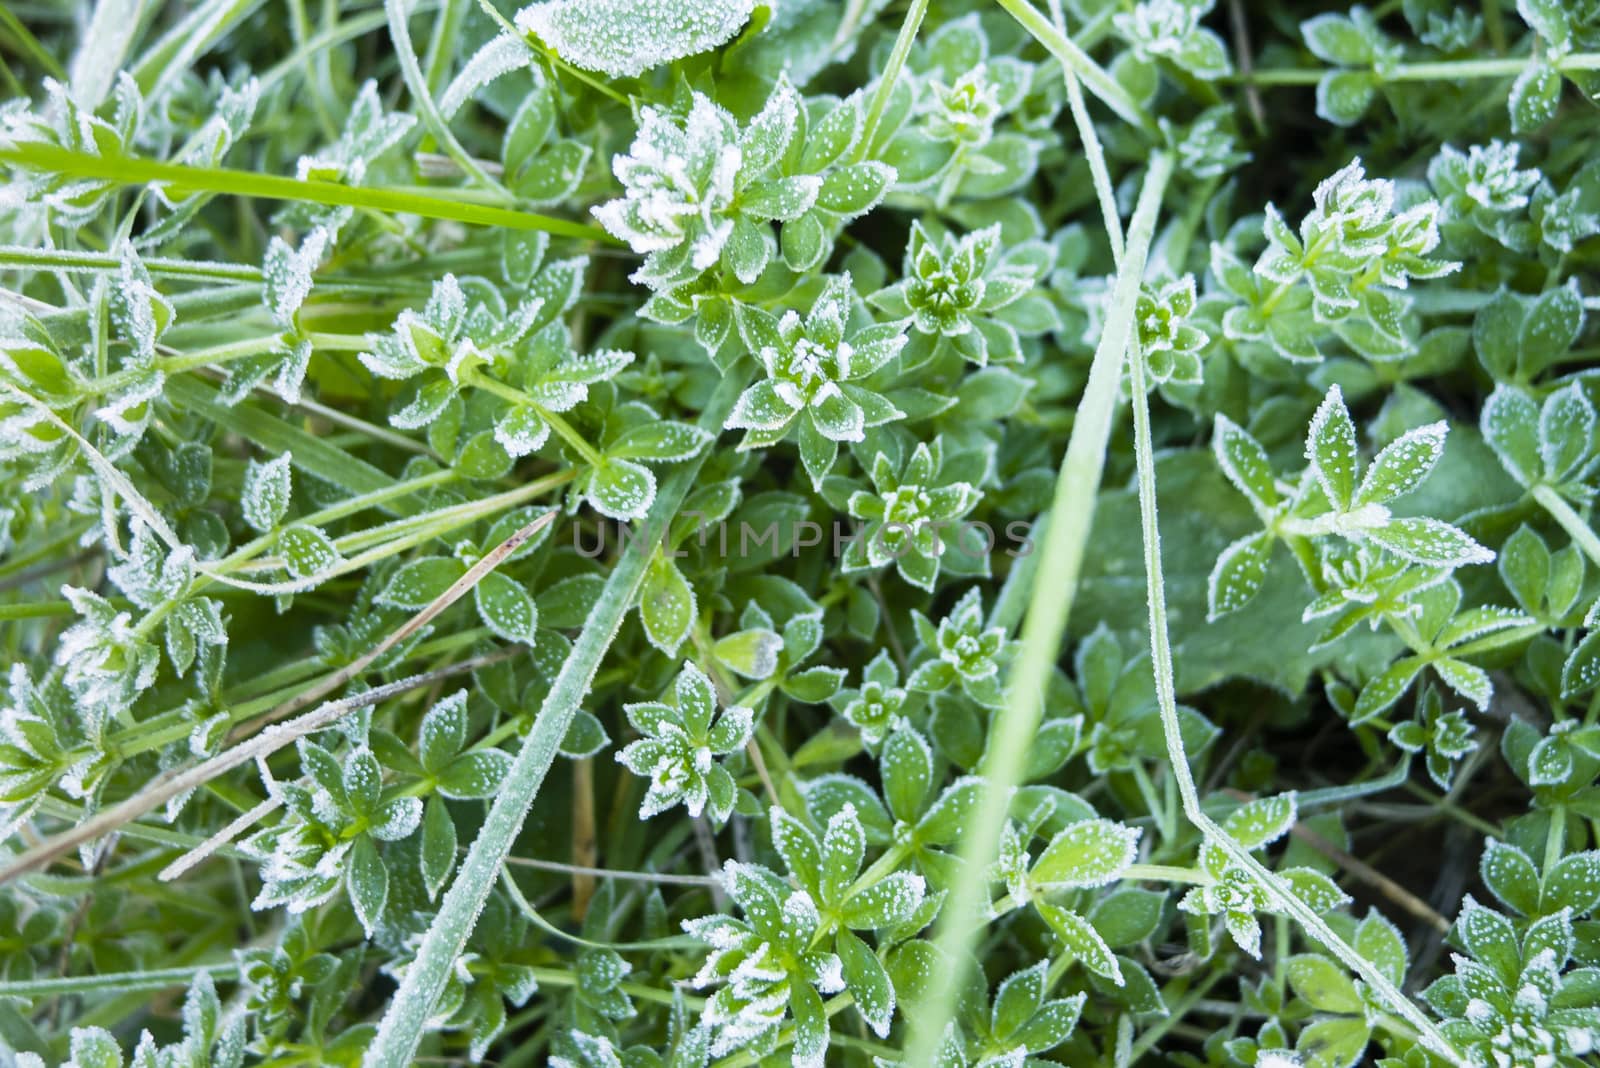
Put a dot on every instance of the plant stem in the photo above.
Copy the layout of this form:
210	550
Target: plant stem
127	170
1446	70
1093	76
891	71
1059	568
425	979
1581	533
1281	894
114	982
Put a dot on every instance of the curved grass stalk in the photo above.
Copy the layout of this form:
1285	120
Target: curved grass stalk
1166	698
417	82
426	976
1054	586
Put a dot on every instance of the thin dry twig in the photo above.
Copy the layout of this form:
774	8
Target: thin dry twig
275	736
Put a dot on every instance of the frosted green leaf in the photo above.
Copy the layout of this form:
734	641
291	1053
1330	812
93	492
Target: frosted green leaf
1238	574
867	981
1566	432
1430	542
1262	821
1403	464
1322	984
307	552
621	489
1245	463
752	653
506	608
1574	883
1581	672
1080	940
1331	448
1380	942
625	38
369	883
667	606
265	497
1509	873
1510	423
1088	853
1019	997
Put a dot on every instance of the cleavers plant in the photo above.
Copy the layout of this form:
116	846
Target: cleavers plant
606	534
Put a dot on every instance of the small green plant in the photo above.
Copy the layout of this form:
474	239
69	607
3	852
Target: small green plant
713	534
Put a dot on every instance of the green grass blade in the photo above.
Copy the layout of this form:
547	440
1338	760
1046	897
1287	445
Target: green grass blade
127	170
425	978
1054	586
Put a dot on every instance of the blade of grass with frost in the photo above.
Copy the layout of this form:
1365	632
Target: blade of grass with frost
128	170
1166	698
426	976
1045	623
1094	77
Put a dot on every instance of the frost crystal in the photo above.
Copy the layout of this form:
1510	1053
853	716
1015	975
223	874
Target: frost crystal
625	38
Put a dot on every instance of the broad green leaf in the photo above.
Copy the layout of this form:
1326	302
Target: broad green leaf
1323	984
506	608
1088	853
667	605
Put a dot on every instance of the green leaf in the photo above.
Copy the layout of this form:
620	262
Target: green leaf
1343	97
1403	464
625	38
1509	874
804	242
1019	997
1430	542
906	767
474	775
1334	1043
438	854
1510	424
1331	448
621	489
855	189
1581	672
752	653
264	500
667	605
1080	940
95	1047
1322	984
368	882
1380	942
1088	853
1238	575
506	608
307	552
1128	916
867	981
1245	463
1261	822
1535	96
418	583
